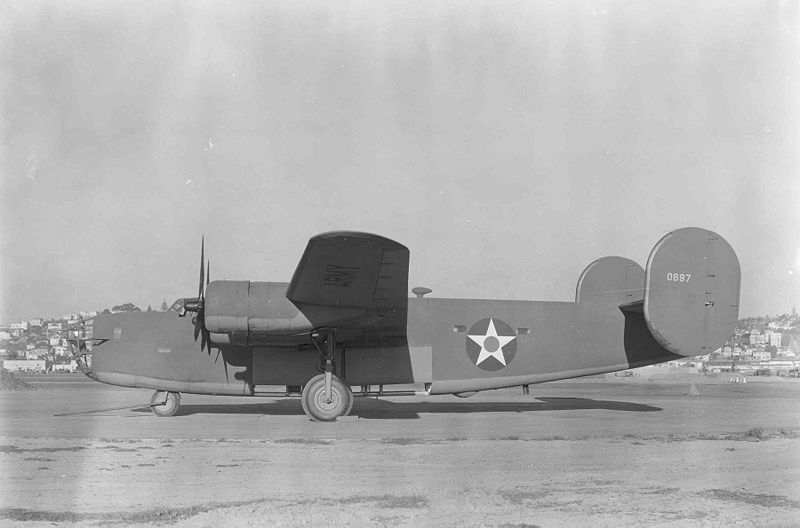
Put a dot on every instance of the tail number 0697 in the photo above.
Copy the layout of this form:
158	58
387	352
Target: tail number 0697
678	277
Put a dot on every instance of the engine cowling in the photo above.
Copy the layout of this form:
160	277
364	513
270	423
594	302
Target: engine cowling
252	308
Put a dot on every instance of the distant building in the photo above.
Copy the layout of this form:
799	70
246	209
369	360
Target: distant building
25	365
5	336
19	326
782	364
72	366
35	322
774	339
761	355
37	353
719	366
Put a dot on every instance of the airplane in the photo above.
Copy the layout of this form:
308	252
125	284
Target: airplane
346	320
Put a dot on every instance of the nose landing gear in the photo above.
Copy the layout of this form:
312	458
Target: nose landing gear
165	403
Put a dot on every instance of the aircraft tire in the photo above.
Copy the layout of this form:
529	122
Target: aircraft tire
315	405
170	406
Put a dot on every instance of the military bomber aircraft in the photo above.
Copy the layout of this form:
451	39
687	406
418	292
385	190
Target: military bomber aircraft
345	320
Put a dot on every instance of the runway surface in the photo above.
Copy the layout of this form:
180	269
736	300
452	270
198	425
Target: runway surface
600	452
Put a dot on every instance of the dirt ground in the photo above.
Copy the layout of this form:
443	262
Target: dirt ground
601	452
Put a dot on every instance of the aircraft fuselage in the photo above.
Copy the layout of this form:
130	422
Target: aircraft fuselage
448	344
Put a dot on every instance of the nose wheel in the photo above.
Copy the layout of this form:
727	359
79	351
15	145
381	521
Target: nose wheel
165	403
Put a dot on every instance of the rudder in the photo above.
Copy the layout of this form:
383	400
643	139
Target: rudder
691	297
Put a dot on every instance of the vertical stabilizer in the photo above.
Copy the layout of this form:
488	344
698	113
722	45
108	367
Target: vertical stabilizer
691	299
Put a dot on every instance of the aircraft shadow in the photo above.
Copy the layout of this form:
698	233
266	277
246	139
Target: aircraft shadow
373	409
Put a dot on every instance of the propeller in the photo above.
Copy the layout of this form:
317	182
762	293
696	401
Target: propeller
197	304
206	335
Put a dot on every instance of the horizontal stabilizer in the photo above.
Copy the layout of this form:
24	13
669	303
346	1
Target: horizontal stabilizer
636	307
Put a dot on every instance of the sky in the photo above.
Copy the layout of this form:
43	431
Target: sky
507	144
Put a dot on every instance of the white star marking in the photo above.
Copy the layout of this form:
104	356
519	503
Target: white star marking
491	344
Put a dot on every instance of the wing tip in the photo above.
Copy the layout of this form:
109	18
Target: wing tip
331	235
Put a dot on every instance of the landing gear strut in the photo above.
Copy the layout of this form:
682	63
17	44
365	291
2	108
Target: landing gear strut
164	403
325	396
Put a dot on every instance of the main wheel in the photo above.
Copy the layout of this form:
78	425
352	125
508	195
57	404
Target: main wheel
322	409
164	403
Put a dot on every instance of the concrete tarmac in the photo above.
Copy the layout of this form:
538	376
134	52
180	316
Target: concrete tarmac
596	451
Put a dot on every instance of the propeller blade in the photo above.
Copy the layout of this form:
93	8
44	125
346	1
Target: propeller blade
202	266
208	273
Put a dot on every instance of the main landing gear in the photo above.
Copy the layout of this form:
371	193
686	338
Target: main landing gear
164	403
325	405
325	396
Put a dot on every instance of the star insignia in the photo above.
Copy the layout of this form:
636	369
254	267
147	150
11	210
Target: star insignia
491	344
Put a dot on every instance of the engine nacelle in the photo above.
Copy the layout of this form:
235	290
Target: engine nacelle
252	308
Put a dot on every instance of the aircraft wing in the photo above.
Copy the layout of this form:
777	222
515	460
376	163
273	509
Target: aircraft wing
355	277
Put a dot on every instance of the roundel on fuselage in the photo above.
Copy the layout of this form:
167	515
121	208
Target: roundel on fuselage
491	344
